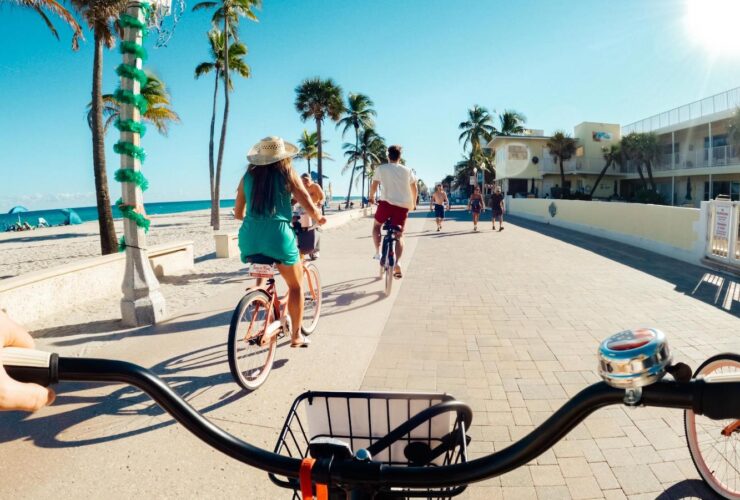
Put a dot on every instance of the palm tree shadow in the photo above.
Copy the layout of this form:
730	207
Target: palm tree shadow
340	296
50	431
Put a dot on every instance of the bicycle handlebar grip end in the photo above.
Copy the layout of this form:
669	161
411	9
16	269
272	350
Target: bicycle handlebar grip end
30	365
718	401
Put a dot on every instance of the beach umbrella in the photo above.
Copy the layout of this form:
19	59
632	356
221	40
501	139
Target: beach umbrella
17	209
70	217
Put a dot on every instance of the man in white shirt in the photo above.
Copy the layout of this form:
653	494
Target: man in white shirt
399	196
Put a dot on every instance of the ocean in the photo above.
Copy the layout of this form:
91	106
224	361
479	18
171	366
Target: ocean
55	217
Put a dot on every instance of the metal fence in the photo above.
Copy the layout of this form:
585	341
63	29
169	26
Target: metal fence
692	111
724	232
720	156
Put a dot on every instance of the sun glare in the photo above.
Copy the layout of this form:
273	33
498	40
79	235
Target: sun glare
714	25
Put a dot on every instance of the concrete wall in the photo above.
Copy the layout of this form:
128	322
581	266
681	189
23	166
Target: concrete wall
673	231
33	296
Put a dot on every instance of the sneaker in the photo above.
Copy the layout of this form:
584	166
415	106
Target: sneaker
314	255
376	256
438	228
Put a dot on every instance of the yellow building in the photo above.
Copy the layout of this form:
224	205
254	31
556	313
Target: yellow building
524	165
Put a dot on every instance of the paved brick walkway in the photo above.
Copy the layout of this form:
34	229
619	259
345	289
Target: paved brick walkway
510	322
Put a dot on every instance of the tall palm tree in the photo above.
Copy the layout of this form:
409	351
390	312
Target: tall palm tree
228	13
319	99
478	126
237	51
57	9
365	150
562	148
612	156
358	114
377	154
648	148
309	149
511	122
100	16
159	113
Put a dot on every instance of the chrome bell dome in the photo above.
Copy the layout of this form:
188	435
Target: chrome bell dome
634	358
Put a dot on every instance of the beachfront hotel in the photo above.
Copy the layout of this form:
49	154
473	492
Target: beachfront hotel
697	161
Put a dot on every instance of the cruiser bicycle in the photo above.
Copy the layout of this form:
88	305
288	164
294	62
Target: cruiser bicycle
260	319
362	445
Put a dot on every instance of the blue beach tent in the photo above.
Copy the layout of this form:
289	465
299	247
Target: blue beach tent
71	217
17	209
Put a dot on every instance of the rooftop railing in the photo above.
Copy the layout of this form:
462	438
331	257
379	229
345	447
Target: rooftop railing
724	101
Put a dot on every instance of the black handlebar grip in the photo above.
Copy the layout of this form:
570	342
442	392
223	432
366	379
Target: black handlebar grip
718	400
29	365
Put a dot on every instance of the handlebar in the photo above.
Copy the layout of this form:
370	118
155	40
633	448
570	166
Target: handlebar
717	400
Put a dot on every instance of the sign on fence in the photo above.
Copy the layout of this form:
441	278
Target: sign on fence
722	222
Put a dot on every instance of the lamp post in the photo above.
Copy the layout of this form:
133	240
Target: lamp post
142	302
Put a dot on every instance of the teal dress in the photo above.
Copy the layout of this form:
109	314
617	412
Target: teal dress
272	234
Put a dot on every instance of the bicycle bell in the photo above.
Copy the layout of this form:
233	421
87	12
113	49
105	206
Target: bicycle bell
634	358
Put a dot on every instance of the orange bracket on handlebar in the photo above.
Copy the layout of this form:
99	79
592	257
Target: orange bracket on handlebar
322	491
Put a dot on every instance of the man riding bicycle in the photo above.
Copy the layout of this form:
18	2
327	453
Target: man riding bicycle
399	196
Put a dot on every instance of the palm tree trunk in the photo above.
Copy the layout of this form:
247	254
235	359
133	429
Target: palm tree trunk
108	243
598	179
321	154
642	176
211	168
562	178
354	166
215	203
364	175
648	165
308	161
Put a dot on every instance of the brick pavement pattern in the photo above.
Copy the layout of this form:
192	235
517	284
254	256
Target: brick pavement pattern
510	322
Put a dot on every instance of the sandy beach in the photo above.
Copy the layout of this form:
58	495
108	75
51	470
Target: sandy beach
25	252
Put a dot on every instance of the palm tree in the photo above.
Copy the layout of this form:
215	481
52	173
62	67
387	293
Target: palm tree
648	148
55	8
366	149
479	125
562	148
237	51
358	115
319	99
227	12
309	148
630	147
511	122
100	18
159	113
612	156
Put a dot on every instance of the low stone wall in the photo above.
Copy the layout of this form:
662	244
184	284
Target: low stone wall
672	231
33	296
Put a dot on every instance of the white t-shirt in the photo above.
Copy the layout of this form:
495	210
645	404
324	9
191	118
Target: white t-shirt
395	182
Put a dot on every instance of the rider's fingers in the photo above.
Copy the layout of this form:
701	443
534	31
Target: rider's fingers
15	395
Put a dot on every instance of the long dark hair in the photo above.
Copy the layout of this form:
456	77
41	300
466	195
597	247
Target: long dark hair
265	182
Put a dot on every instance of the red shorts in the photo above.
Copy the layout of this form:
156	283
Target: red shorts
397	214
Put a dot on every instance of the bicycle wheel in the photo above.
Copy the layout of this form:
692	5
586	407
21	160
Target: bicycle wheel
311	298
713	444
250	361
388	280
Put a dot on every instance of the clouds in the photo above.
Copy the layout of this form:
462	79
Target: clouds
42	201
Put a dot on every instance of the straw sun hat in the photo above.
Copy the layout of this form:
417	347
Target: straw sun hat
269	150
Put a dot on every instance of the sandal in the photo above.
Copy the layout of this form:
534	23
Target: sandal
397	274
302	342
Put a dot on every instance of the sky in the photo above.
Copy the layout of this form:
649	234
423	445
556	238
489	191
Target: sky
423	62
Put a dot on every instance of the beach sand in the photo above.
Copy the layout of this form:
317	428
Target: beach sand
30	251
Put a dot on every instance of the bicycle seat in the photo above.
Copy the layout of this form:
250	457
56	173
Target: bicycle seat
259	258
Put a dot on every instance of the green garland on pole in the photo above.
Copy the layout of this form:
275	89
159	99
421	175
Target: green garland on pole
128	175
132	72
131	126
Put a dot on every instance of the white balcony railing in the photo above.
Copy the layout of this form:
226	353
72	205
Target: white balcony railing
721	156
578	165
698	109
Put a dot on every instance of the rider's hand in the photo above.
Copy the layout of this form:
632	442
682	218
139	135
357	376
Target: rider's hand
371	200
321	221
15	395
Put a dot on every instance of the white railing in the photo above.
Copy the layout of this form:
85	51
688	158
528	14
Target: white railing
697	109
724	232
584	164
721	156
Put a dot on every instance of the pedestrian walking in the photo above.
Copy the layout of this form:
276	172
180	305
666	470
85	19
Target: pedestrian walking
497	209
437	202
476	205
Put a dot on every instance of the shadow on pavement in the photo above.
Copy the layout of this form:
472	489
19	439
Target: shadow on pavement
345	297
702	284
688	488
26	238
78	426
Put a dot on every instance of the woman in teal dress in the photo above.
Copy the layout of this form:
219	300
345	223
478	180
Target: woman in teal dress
263	202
